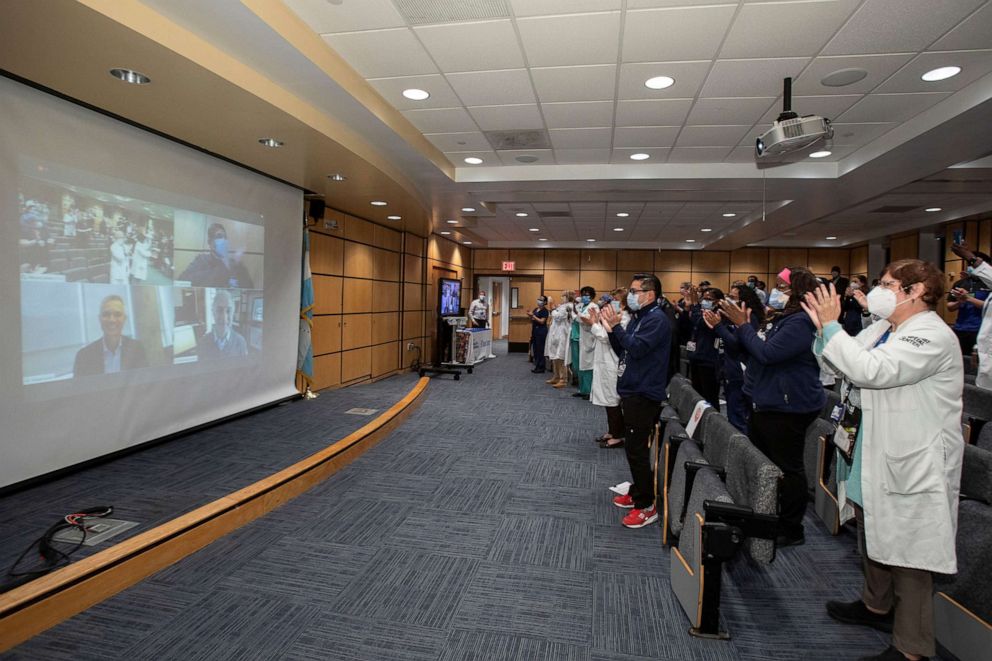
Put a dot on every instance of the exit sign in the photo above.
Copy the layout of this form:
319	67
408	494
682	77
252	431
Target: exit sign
509	266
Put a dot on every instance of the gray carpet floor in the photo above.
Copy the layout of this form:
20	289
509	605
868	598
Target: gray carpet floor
481	529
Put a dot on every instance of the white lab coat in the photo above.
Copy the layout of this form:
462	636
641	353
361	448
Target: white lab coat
120	263
587	343
604	370
912	444
983	345
556	347
139	260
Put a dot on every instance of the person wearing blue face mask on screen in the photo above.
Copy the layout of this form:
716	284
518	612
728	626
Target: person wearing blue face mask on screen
217	268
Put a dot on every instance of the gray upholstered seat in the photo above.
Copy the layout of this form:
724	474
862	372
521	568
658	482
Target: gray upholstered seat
717	435
688	451
984	439
752	480
977	402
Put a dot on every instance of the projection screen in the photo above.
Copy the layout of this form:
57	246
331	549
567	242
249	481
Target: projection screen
146	287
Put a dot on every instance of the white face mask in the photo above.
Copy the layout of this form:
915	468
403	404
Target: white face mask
882	302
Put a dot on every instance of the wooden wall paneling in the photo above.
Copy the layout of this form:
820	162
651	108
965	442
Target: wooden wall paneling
859	261
385	296
385	265
561	260
385	327
326	254
385	359
356	229
624	277
713	261
383	237
413	296
326	334
821	260
672	260
750	260
326	371
330	215
356	331
414	245
598	260
985	236
327	294
529	259
489	259
672	280
559	281
443	250
779	258
904	247
357	295
601	281
413	324
356	364
413	269
358	261
636	260
719	280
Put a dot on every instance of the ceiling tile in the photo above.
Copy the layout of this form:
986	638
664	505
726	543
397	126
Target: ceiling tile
471	140
898	26
549	7
653	4
577	115
457	158
658	155
712	136
382	53
490	88
688	77
973	32
325	17
441	120
653	112
698	154
483	46
751	77
570	40
830	106
583	83
689	33
544	156
859	134
640	137
879	67
591	138
741	155
890	107
507	118
783	29
974	64
740	110
442	96
588	208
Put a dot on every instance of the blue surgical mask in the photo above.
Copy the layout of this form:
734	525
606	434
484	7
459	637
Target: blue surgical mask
970	270
633	304
777	300
220	247
752	285
585	299
706	304
616	305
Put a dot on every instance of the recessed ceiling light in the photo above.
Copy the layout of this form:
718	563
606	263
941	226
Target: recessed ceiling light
394	217
622	214
451	222
820	154
943	73
659	82
336	177
706	229
690	240
378	203
521	214
445	233
639	157
591	240
932	209
542	239
130	76
729	215
416	95
473	160
270	142
468	209
467	243
617	229
534	229
831	238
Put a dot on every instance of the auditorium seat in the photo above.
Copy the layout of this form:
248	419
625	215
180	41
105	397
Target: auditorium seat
717	436
833	399
675	498
57	265
752	480
984	439
977	403
820	476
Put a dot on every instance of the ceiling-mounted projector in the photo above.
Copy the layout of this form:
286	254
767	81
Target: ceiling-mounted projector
790	132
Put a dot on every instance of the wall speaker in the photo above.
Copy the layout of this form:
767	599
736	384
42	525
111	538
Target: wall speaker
316	209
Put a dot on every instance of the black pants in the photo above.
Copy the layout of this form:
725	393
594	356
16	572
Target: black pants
639	416
967	340
706	383
782	437
614	420
537	339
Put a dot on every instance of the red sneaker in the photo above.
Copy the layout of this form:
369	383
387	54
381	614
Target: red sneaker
640	518
624	501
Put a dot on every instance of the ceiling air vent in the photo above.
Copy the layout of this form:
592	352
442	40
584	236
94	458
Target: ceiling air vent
427	12
894	208
554	214
533	139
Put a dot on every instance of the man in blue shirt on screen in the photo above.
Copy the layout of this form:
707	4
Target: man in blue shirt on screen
222	341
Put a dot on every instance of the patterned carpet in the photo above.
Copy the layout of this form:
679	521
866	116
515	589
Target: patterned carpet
481	529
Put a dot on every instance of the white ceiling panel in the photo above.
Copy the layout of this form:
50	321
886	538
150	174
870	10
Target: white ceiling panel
491	88
638	137
712	136
551	7
890	107
457	158
507	118
783	29
698	154
751	77
898	26
653	112
740	110
544	156
655	4
741	155
859	134
569	40
588	208
591	138
383	53
472	140
688	78
577	115
657	155
441	120
973	32
878	68
483	46
325	17
689	33
974	64
441	94
829	106
584	83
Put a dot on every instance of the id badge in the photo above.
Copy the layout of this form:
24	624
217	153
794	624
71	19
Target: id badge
690	347
837	414
718	345
621	367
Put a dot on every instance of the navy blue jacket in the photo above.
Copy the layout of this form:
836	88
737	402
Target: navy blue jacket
784	374
644	348
733	353
705	338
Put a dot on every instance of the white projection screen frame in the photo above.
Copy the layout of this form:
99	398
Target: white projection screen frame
146	287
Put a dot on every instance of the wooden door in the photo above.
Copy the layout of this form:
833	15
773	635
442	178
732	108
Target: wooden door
528	289
496	305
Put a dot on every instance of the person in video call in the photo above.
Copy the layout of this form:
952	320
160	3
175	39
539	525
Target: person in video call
217	268
120	260
222	341
114	352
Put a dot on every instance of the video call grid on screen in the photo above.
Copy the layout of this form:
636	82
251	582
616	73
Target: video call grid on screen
176	286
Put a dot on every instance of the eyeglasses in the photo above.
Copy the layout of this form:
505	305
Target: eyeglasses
889	284
638	291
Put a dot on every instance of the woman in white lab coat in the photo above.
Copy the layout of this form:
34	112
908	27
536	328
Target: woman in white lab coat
983	345
139	258
556	348
604	372
902	479
120	260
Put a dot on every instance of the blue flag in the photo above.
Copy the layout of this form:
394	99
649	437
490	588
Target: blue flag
304	359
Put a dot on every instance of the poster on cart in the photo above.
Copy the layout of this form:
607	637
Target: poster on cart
473	345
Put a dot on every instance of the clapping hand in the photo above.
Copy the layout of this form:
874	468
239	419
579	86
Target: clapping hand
963	251
822	305
711	318
737	315
608	317
860	297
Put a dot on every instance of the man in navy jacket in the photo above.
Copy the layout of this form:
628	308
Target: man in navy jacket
643	349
